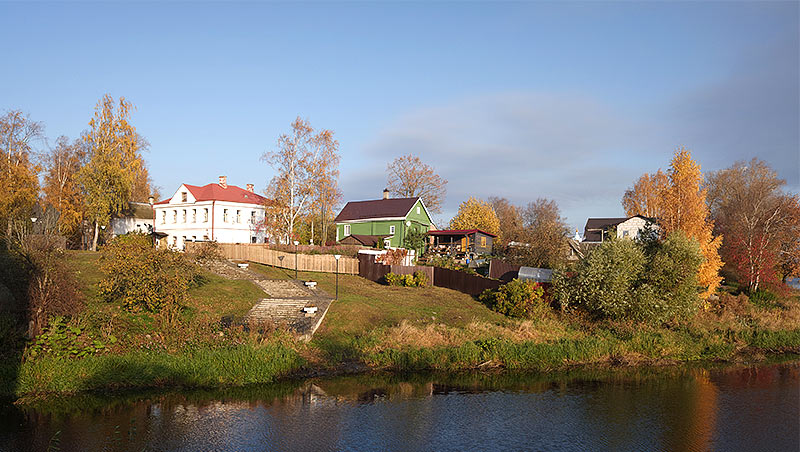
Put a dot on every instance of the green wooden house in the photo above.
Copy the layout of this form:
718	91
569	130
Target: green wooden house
388	220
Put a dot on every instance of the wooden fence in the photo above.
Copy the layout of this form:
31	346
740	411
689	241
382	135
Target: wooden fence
440	277
305	262
463	282
502	271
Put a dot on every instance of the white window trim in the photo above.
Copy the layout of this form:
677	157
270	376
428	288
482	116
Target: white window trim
346	230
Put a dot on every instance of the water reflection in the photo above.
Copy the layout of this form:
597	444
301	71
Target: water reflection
669	409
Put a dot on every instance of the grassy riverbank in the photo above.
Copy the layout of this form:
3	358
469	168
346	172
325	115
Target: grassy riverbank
373	326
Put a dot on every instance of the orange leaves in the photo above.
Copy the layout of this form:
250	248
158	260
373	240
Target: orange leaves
678	202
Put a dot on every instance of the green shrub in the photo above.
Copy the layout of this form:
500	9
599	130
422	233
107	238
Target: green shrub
640	280
516	299
418	279
763	298
448	263
144	278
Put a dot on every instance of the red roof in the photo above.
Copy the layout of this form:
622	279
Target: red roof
459	232
215	192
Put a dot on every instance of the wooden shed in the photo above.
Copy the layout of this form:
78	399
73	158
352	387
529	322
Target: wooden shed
460	241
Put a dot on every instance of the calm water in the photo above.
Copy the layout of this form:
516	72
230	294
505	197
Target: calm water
652	409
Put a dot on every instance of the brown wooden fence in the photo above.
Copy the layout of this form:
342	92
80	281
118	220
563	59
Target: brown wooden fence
463	282
440	277
305	262
502	271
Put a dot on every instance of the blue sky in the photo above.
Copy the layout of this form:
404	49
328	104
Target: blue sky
568	101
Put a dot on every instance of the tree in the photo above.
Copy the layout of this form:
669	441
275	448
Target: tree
630	279
307	170
61	188
114	162
683	208
408	177
18	173
789	253
545	235
510	217
755	216
476	214
645	197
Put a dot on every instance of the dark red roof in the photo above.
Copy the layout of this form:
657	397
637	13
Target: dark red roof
215	192
378	208
459	232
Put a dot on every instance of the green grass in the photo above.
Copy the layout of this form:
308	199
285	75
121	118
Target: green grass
233	366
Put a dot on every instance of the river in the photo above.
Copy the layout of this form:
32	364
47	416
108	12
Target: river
695	408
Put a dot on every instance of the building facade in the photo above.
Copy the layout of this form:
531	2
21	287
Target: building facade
390	219
138	217
214	212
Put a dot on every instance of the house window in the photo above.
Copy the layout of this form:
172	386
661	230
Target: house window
387	243
625	233
238	216
391	229
253	239
174	217
194	215
175	240
205	215
346	230
183	196
224	215
164	217
184	215
253	217
483	242
419	210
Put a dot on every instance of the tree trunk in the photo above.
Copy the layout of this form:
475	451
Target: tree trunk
96	232
311	242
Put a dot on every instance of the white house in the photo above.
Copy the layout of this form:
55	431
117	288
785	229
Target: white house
214	212
597	229
138	217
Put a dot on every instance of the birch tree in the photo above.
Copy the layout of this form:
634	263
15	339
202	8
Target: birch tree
754	214
61	188
408	177
114	162
18	173
306	163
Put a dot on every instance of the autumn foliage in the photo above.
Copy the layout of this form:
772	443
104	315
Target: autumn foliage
678	201
409	177
476	214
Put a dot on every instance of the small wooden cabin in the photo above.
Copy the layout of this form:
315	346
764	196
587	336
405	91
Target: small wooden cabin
460	241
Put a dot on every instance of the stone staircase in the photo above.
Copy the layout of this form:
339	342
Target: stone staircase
286	309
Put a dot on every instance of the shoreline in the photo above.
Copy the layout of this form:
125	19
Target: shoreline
748	356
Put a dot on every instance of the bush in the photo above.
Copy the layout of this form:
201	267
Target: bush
625	279
418	279
448	263
206	251
763	298
143	278
516	299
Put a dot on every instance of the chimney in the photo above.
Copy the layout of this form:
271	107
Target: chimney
385	193
251	188
223	181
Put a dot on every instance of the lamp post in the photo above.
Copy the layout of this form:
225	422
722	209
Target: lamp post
295	258
337	256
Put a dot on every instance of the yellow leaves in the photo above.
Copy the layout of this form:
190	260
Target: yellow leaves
476	214
677	200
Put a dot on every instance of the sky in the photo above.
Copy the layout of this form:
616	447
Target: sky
570	101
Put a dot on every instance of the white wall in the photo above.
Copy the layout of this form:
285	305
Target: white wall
197	228
631	227
121	226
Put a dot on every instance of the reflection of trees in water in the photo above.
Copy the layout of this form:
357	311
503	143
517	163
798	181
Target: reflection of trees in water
669	408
